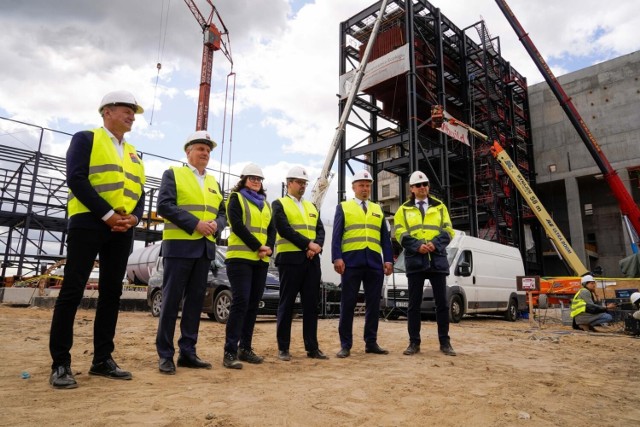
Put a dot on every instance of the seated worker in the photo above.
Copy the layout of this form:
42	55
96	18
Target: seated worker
585	308
635	300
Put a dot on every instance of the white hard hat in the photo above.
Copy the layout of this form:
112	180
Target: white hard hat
252	170
297	172
586	279
417	177
120	97
362	175
200	137
634	297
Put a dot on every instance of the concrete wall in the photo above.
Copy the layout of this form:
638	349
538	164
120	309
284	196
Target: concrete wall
607	96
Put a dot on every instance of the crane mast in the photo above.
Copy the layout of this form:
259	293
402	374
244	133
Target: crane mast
212	41
628	207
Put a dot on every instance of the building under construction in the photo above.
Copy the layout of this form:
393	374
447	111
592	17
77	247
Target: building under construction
421	59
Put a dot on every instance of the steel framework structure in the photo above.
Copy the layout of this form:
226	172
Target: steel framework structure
463	70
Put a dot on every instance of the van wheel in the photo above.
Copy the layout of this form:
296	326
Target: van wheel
512	311
156	303
221	306
456	311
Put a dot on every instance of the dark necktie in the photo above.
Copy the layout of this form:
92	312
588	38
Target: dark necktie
364	206
421	207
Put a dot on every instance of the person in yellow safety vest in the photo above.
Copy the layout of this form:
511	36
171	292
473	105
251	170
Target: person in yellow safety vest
190	201
298	245
106	180
423	228
585	308
251	243
361	252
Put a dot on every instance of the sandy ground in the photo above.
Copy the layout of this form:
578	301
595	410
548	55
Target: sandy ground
505	374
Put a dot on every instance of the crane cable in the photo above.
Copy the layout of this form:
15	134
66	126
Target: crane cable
162	39
231	74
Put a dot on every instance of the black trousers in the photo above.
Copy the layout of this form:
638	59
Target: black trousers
305	279
183	280
372	282
439	285
82	248
247	286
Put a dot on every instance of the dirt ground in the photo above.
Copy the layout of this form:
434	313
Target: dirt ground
505	374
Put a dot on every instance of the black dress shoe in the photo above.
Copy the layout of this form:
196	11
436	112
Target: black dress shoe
412	349
192	361
62	377
284	355
317	354
375	349
447	349
166	366
344	352
110	369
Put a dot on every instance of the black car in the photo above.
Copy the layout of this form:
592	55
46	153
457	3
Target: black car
218	295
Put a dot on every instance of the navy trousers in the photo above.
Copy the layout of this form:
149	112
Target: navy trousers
247	286
82	248
439	286
182	278
372	282
304	279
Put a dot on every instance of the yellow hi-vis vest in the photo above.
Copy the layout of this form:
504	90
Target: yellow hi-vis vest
117	180
203	202
578	305
408	221
361	230
303	224
257	222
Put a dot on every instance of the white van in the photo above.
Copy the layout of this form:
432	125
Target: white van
482	280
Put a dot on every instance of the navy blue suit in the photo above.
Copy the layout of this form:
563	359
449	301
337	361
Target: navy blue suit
298	274
88	237
361	266
186	265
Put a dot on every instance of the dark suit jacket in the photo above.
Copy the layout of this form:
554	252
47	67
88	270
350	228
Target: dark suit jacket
78	157
167	208
286	231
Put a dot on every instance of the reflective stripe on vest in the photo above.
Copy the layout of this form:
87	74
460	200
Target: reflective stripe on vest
578	305
305	225
119	181
408	221
203	202
257	221
361	230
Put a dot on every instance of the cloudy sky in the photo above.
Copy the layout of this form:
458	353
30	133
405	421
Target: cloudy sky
60	57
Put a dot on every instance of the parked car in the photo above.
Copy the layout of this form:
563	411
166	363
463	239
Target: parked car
217	299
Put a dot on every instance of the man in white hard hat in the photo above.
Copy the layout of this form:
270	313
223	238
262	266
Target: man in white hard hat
190	201
361	252
423	228
106	180
298	245
635	300
586	309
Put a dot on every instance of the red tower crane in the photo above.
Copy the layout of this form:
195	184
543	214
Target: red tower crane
212	41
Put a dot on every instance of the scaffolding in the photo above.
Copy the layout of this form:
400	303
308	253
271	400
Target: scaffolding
420	58
33	199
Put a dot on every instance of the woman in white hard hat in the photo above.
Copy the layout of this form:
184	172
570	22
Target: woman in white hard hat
585	308
251	243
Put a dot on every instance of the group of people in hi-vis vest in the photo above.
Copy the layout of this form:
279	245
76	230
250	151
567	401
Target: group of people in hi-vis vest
106	200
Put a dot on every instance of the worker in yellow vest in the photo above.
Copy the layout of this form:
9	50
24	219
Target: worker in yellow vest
251	243
423	228
190	201
106	180
298	245
361	252
586	310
